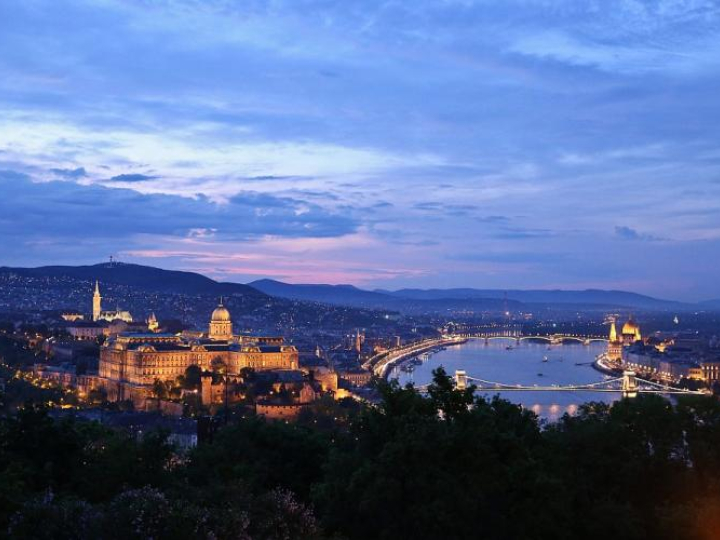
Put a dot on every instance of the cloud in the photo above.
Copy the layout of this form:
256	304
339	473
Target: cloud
63	211
523	233
423	130
628	233
131	178
74	174
493	219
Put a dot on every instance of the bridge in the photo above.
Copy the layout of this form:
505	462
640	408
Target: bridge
629	384
553	339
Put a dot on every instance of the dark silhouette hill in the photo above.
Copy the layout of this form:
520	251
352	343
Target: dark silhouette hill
135	275
539	296
468	298
349	295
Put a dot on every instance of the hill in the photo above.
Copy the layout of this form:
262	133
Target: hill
438	300
331	294
549	297
710	304
135	275
349	295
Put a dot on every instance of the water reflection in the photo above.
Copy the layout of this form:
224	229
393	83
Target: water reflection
526	363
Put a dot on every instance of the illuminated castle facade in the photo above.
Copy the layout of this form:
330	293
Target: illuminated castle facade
131	363
630	334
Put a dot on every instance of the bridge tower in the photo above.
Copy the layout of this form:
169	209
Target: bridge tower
629	384
460	379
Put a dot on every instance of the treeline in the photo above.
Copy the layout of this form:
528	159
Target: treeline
449	465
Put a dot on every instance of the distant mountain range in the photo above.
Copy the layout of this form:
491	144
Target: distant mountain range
710	304
404	300
588	296
467	298
349	295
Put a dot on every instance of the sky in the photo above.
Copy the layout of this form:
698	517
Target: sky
387	144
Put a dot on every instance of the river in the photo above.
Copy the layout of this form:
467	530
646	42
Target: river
568	363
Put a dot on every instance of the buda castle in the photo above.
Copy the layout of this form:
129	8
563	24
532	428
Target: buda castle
131	363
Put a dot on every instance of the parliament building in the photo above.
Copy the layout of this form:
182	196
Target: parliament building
616	343
131	363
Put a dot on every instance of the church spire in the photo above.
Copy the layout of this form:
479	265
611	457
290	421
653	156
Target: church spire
97	302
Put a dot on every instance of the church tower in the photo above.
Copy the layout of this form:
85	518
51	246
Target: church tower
152	323
97	302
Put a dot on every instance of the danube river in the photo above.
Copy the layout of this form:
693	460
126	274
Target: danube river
526	363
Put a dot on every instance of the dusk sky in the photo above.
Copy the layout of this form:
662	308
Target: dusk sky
494	144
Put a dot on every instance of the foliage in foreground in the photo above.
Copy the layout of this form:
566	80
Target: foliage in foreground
444	466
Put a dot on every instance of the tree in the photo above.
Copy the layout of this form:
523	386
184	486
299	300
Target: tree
138	513
160	389
45	518
442	475
193	376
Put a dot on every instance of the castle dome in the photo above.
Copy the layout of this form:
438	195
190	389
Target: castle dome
220	314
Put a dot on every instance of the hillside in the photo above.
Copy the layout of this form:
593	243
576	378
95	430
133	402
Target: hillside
170	294
331	294
438	300
550	297
134	275
348	295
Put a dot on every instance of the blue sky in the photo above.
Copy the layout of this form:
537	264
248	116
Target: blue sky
513	144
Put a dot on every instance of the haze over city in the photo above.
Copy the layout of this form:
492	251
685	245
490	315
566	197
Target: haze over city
517	144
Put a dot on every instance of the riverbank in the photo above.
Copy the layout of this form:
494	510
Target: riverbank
382	366
601	364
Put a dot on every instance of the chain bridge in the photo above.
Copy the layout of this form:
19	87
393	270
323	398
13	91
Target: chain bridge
628	384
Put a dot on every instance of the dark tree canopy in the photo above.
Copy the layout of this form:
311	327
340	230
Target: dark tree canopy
449	465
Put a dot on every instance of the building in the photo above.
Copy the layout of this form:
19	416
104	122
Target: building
220	324
291	394
131	363
356	377
616	343
152	323
630	333
86	330
711	371
99	315
97	303
72	316
670	365
614	351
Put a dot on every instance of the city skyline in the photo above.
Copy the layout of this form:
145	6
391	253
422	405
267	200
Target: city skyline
457	144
